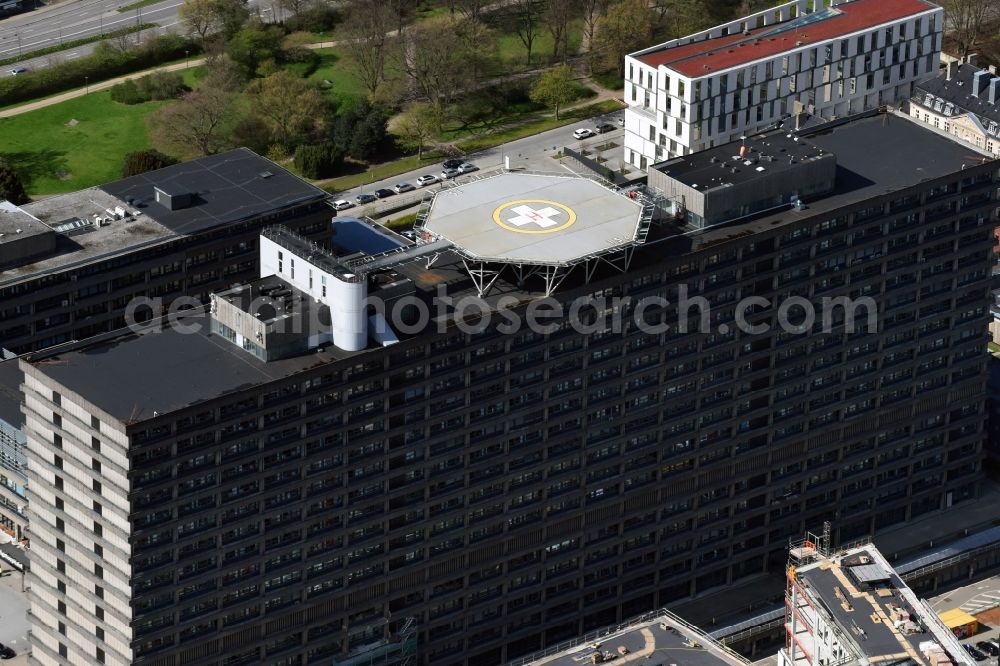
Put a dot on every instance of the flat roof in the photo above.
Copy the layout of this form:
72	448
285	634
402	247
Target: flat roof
710	56
90	241
867	613
271	299
131	375
350	234
226	187
533	219
766	155
16	223
661	640
876	155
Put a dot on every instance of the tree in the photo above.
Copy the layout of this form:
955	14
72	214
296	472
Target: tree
967	19
368	26
255	44
686	17
142	161
416	125
593	10
318	161
289	105
435	59
526	14
199	123
627	26
360	130
294	7
11	187
207	17
554	88
557	16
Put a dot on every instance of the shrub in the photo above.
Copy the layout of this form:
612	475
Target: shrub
11	187
161	85
321	160
142	161
105	62
127	92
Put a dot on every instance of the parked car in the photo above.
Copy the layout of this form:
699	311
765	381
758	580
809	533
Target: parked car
429	179
989	648
973	652
604	128
403	187
467	167
621	121
452	164
448	174
342	204
6	652
411	234
364	198
18	70
382	193
583	133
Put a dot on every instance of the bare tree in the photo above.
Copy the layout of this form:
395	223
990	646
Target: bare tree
201	119
435	59
967	19
557	16
368	26
294	7
472	9
593	10
526	15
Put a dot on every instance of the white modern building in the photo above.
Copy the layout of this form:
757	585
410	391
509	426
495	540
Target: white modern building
801	57
849	607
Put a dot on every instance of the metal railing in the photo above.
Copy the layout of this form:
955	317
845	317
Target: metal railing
641	620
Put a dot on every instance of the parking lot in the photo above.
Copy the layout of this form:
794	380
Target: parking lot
977	598
13	616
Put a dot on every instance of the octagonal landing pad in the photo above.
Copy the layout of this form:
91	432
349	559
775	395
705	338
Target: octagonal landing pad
534	219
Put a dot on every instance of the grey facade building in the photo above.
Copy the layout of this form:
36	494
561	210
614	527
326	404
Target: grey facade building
13	502
70	264
497	492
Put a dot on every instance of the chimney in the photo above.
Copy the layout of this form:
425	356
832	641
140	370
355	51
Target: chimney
979	81
993	94
949	70
993	69
972	59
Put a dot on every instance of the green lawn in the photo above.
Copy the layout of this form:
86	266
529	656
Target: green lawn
379	171
538	125
513	56
334	68
53	157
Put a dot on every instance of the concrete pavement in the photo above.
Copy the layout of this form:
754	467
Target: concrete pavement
13	613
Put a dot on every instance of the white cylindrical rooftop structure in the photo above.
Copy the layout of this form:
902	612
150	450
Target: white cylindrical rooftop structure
348	318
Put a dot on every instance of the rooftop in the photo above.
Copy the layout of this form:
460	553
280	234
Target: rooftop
16	222
533	219
765	154
226	187
657	639
958	92
714	55
189	364
275	302
875	155
873	609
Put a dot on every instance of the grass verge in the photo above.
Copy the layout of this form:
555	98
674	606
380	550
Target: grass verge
54	157
378	172
608	80
137	5
401	223
73	43
537	126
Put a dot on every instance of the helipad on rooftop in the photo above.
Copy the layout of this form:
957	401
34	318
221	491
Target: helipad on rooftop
520	218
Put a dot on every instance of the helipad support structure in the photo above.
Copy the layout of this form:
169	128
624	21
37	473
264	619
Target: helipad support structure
536	224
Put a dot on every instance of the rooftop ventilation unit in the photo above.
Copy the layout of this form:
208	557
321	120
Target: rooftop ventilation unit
172	197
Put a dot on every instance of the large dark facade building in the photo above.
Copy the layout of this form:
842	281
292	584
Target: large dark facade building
495	492
70	264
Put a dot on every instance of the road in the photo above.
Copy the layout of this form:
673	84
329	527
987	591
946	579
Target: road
75	19
536	152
